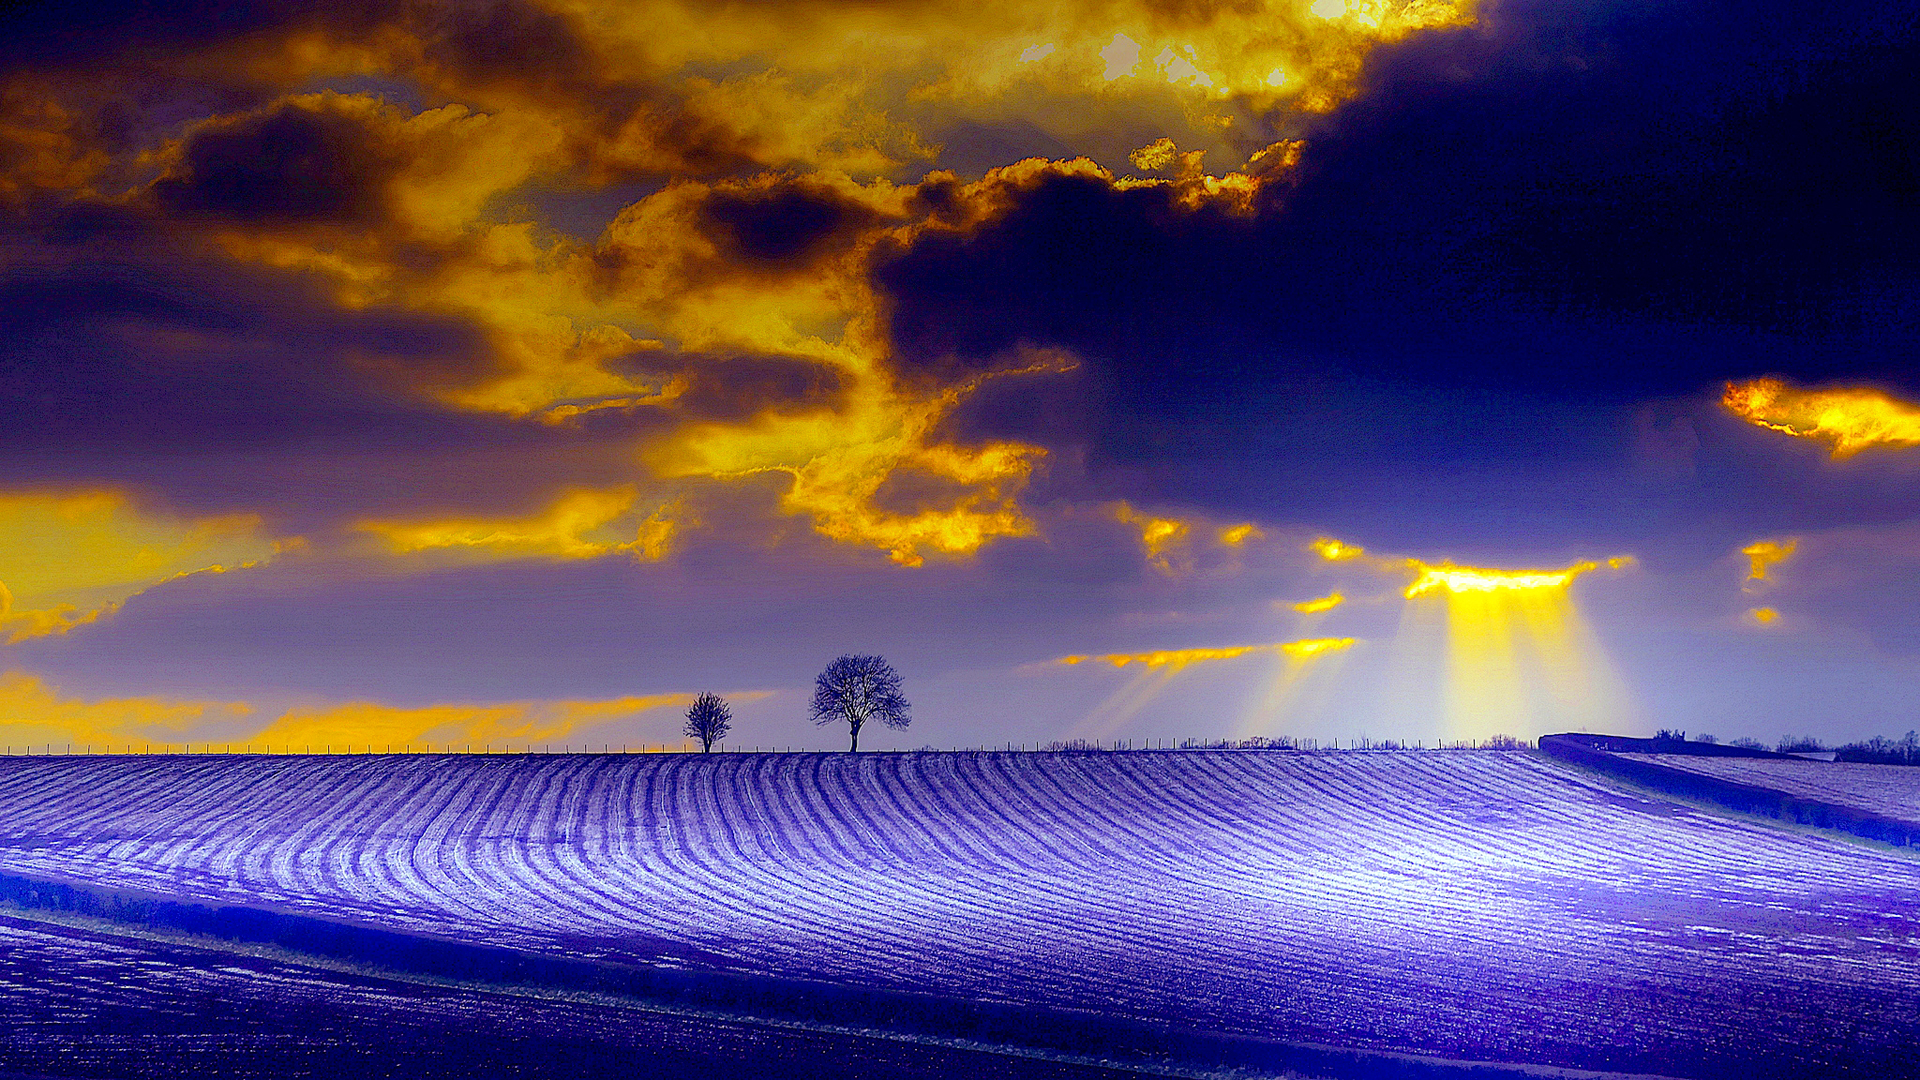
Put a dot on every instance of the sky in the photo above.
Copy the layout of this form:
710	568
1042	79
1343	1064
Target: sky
410	373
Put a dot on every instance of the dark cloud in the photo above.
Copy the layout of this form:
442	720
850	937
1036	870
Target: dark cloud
786	224
1438	330
1590	202
125	344
300	163
505	41
127	74
54	35
497	39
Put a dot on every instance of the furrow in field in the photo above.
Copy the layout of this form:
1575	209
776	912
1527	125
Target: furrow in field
1404	898
1888	790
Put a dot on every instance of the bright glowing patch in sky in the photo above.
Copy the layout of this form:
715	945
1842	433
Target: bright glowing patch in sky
1466	579
1334	551
1850	419
1174	658
1326	603
1765	616
1519	658
1315	646
1180	658
1236	535
1329	9
1157	670
1764	555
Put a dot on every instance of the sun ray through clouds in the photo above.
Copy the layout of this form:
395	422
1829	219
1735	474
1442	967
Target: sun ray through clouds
1519	657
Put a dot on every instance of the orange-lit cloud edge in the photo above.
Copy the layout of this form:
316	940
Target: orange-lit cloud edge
1181	658
1849	419
37	714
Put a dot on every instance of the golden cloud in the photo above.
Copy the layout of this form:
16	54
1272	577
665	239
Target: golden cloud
1325	603
1334	551
1764	555
581	524
34	713
1450	578
1163	539
375	725
73	557
778	142
1176	659
1237	535
1850	419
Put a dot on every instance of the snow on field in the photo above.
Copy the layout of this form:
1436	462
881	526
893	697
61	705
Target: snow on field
80	1003
1474	904
1889	790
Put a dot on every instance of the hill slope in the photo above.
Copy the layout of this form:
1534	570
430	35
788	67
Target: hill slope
1476	905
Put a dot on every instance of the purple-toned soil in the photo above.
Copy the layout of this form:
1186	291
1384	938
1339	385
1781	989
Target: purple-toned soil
1474	905
79	1003
1891	791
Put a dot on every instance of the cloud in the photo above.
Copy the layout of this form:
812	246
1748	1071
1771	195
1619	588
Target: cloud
1334	550
1449	578
580	524
1325	603
73	557
1764	555
1154	156
784	224
1849	419
790	291
312	161
1164	539
33	712
379	726
1177	659
1237	535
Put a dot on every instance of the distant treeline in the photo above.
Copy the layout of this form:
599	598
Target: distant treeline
1278	742
1878	750
1883	751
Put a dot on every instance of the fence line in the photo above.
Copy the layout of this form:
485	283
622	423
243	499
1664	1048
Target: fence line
1070	746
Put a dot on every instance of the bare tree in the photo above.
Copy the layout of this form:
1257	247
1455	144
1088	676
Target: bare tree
708	720
856	689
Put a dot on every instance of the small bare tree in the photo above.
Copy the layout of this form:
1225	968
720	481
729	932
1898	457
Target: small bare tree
856	689
708	720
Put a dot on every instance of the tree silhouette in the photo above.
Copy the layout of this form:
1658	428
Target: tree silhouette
708	720
856	689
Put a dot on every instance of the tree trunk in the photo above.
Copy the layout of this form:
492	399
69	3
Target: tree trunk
855	747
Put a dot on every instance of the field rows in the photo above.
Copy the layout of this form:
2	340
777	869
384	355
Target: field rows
1475	904
1889	790
80	1003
